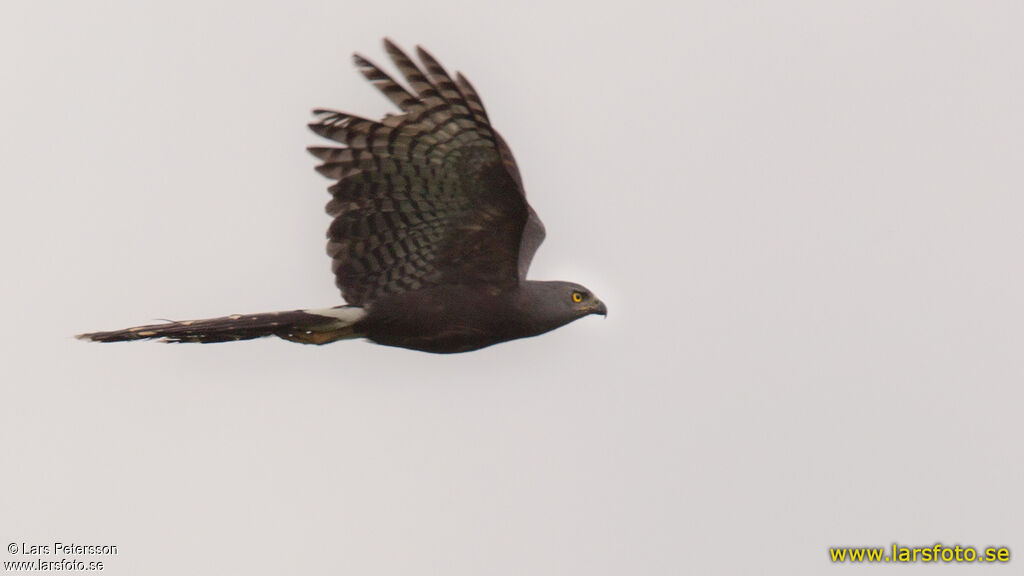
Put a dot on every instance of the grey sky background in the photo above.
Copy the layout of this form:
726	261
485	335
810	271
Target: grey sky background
805	219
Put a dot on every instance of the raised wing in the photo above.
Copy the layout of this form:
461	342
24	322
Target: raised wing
431	196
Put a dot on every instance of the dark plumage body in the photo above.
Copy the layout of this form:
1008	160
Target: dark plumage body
471	317
432	236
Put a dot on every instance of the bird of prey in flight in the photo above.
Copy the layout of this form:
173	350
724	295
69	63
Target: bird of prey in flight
432	235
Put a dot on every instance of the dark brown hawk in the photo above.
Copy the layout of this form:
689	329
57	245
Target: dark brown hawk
432	235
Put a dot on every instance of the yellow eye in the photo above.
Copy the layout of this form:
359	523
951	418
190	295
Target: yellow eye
577	297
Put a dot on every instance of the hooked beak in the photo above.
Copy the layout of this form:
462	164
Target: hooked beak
598	308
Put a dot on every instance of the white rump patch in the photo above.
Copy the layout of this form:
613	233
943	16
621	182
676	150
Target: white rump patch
346	314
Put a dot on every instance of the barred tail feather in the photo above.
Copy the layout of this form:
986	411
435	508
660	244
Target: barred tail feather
304	326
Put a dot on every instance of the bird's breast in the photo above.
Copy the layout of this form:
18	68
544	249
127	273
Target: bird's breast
455	318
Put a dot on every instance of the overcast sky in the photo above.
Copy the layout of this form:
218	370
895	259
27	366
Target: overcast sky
805	219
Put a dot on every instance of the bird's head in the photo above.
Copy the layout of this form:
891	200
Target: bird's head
553	304
580	300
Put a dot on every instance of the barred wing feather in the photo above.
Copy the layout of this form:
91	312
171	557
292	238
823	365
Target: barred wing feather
429	196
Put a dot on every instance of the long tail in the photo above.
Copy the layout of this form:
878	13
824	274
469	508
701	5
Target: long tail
304	326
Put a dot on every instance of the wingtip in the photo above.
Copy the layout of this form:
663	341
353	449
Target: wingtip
424	54
464	82
393	49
